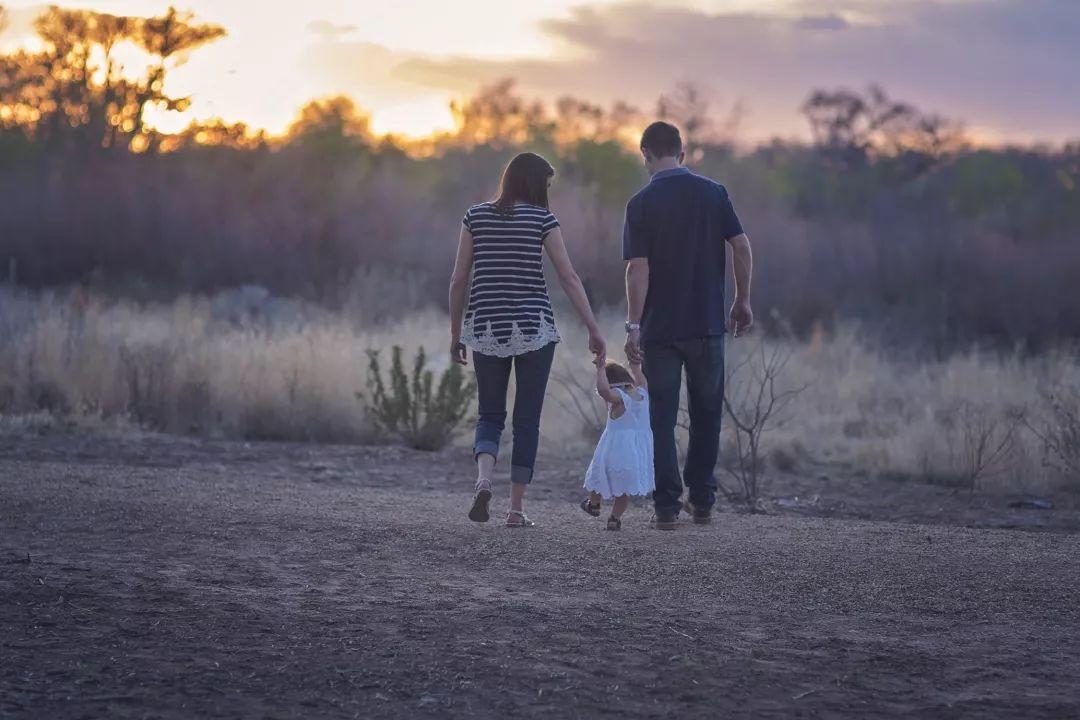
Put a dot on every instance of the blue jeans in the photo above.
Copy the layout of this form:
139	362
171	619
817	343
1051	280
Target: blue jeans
531	372
703	360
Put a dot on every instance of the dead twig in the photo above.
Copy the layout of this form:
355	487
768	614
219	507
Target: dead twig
753	402
987	441
1059	430
679	632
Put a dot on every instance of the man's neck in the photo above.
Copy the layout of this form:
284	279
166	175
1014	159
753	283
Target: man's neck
668	163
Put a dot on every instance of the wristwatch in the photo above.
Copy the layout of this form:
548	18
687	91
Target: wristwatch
632	327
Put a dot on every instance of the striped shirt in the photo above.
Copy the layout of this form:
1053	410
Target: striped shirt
509	311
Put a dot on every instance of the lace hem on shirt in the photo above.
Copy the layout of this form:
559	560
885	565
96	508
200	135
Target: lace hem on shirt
486	343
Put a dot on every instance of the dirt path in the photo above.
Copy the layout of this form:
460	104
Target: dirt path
173	579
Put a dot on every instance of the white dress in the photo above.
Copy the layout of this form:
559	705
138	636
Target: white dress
623	461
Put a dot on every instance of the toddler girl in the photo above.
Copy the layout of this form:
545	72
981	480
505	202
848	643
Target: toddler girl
623	462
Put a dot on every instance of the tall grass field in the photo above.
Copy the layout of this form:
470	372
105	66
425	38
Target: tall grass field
246	365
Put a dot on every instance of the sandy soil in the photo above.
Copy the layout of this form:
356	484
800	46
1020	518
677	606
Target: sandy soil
172	578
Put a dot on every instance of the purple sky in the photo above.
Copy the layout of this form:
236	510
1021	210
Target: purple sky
1008	69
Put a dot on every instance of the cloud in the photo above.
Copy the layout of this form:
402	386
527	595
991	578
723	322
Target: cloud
329	30
832	21
368	71
1003	66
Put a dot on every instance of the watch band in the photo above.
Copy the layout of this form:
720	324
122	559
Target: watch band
632	326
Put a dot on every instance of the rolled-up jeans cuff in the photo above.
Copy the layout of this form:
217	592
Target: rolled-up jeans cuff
521	474
486	446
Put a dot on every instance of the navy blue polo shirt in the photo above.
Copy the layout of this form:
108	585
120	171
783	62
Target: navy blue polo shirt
681	222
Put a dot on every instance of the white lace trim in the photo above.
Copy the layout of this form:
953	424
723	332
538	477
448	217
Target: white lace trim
486	343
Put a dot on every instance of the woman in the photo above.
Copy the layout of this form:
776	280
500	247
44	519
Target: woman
508	321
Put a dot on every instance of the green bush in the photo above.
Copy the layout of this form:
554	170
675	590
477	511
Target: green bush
406	406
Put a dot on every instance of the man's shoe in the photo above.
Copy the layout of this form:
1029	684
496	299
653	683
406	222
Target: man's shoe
664	520
701	516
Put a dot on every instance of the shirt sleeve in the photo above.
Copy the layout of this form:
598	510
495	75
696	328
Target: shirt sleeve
550	223
730	220
635	242
466	222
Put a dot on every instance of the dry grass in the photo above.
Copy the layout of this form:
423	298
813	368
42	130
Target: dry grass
196	366
247	366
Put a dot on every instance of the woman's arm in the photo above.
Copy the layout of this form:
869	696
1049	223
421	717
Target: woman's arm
603	389
459	285
571	284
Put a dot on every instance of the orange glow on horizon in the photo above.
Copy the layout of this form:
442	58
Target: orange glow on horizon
404	73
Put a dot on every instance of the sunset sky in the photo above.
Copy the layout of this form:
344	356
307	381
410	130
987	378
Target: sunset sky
1007	68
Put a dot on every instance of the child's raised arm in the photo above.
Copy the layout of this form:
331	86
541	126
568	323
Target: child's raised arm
602	388
639	376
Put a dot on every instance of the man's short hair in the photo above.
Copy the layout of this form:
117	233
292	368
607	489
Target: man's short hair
661	139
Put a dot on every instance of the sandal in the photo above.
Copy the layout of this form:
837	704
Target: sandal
591	509
614	523
522	519
479	510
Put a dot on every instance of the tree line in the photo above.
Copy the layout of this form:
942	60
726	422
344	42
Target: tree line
889	217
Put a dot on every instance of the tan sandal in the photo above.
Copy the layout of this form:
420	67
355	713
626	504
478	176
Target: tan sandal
521	521
614	523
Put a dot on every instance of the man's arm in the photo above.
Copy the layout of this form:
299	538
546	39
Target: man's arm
742	261
637	287
636	245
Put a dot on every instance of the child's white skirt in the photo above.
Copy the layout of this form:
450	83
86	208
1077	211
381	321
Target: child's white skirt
622	463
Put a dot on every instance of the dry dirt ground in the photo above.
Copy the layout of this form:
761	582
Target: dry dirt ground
171	578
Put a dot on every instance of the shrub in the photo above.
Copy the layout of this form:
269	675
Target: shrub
754	404
1059	431
987	441
407	407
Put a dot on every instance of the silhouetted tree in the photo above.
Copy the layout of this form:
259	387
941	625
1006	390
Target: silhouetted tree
73	91
577	120
499	118
851	127
688	107
168	39
334	119
216	133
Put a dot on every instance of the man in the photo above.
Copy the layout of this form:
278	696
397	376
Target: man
673	244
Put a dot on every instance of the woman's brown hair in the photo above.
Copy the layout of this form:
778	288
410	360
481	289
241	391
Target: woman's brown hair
525	180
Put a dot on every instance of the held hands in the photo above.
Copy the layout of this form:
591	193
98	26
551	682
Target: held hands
741	318
633	347
597	346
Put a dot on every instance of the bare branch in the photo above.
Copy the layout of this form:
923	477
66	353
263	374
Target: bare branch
752	403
